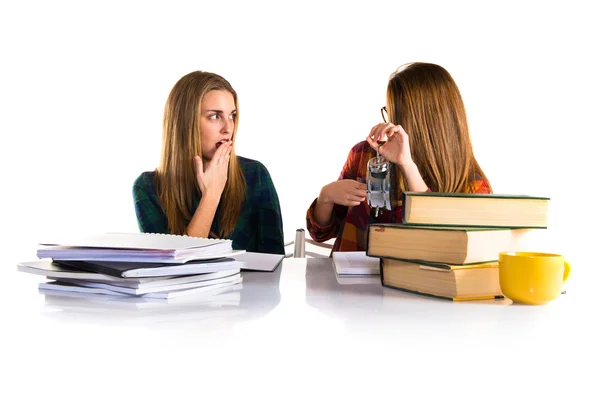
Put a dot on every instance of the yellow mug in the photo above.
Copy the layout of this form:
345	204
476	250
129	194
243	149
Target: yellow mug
532	277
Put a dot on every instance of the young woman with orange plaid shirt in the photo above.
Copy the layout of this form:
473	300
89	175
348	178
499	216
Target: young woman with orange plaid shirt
426	138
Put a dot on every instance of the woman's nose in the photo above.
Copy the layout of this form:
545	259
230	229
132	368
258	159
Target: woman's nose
227	126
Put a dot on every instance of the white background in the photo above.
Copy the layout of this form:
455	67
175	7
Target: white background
83	86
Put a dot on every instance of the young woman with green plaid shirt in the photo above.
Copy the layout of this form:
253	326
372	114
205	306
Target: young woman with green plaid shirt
201	188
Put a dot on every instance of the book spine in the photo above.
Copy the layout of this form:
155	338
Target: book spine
467	224
419	293
430	295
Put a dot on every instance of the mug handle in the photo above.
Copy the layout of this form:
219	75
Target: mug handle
566	272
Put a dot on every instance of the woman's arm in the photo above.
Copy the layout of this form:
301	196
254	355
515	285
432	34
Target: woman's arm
211	181
149	214
324	233
328	211
270	223
344	192
203	217
414	179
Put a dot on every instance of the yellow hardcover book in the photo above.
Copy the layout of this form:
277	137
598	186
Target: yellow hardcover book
453	282
450	245
475	210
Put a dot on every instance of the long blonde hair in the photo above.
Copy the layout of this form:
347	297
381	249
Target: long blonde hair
177	187
424	99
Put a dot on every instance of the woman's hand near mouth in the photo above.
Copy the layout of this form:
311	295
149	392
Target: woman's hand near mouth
213	178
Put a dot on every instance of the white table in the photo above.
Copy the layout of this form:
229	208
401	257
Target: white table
298	330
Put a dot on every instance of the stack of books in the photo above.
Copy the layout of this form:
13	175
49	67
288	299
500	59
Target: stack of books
448	243
137	264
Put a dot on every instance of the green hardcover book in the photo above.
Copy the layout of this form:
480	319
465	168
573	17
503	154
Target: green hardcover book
475	210
450	245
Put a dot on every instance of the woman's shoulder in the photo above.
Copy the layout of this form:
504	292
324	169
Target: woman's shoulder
250	166
256	174
356	162
360	153
145	180
361	147
479	185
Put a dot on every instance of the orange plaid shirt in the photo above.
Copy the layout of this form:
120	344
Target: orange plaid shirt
349	224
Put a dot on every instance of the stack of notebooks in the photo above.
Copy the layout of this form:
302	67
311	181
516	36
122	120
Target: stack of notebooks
352	268
448	244
137	264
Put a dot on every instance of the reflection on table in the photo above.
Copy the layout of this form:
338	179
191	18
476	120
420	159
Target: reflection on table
256	296
300	283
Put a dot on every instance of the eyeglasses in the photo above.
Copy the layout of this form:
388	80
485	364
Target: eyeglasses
384	115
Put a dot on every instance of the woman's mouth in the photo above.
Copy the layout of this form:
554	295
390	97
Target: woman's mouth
221	142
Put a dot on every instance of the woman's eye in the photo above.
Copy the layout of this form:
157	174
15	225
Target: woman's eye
232	116
213	116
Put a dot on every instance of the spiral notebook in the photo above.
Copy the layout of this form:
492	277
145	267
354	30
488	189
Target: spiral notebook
138	247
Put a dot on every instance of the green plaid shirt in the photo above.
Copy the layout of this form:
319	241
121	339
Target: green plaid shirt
259	227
